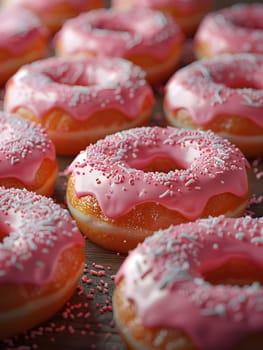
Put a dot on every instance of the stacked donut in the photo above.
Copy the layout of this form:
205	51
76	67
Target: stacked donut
169	195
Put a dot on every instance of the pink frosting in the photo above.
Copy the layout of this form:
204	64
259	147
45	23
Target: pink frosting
235	29
44	5
80	87
23	147
164	278
207	88
184	6
110	170
109	32
36	232
18	28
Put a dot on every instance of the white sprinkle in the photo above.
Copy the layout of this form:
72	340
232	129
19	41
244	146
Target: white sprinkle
240	236
257	240
189	182
164	194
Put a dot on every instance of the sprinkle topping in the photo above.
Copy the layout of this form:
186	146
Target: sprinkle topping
164	277
235	29
35	231
80	87
23	147
116	33
17	28
208	165
223	86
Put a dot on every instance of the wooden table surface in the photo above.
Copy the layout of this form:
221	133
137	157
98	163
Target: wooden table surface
86	322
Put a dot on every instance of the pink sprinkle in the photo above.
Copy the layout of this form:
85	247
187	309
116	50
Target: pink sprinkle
101	273
93	273
99	288
71	330
97	266
90	296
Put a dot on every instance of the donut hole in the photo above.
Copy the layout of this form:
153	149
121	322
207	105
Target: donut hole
242	85
235	271
5	230
3	235
109	74
253	23
158	164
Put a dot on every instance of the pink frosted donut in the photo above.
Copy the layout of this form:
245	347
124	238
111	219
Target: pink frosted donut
224	94
41	259
235	29
187	13
53	13
27	156
80	100
134	182
23	39
145	37
194	286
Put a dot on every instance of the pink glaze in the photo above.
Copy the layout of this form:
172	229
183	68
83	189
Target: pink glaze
36	232
110	170
45	5
23	147
109	32
80	87
209	88
19	28
164	278
231	30
182	6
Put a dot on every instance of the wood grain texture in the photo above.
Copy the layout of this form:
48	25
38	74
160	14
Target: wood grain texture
86	321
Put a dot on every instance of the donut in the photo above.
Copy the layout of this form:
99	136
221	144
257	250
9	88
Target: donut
79	100
27	156
145	37
194	286
23	39
234	29
134	182
187	14
224	94
41	259
53	13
